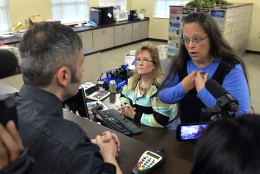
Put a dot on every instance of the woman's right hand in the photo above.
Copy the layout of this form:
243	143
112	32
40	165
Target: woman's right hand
188	83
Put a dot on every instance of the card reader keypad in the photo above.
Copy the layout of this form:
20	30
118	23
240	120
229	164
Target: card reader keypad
148	160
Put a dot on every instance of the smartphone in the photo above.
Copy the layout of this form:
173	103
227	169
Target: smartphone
7	110
190	131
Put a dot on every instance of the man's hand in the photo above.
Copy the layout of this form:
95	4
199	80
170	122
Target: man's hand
10	144
108	150
106	137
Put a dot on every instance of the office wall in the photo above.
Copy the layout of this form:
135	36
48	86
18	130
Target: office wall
253	43
23	9
158	28
93	3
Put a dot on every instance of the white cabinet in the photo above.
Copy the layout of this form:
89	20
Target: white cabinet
87	38
103	38
128	33
123	34
98	43
144	30
140	30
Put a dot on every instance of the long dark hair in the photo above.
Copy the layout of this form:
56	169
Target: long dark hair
229	146
218	47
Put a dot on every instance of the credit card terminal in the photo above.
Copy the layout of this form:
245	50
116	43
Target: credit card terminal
150	160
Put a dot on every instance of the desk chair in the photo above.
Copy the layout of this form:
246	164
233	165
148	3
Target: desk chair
8	63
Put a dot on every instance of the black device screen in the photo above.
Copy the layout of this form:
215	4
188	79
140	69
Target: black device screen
78	103
190	131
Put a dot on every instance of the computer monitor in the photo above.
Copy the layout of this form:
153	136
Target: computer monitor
77	103
105	16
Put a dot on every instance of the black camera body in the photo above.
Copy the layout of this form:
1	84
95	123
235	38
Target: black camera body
225	108
7	110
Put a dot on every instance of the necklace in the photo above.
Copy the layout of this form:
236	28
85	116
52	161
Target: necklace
142	89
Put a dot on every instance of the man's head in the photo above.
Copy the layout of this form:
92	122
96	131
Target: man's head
229	146
51	52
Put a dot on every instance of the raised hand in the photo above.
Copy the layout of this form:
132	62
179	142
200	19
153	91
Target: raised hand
200	80
188	83
10	144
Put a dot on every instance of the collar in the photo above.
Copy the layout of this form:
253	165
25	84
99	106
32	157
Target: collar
41	96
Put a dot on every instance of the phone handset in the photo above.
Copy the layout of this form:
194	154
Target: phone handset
150	160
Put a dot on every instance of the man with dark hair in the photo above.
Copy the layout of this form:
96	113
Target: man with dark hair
229	146
51	64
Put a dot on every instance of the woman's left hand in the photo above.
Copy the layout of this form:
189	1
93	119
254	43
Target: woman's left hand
200	80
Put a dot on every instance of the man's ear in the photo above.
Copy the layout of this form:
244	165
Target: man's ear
64	76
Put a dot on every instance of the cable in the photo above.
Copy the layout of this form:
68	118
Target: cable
253	109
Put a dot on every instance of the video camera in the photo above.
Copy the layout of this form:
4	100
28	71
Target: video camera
8	110
226	107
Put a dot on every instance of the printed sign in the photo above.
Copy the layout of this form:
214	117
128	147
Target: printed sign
172	51
217	13
188	10
175	31
218	16
174	38
204	10
174	44
175	10
175	18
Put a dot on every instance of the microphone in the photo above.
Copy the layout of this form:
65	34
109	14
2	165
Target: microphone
215	88
225	101
8	63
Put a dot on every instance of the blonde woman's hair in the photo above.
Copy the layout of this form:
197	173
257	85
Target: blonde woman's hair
158	73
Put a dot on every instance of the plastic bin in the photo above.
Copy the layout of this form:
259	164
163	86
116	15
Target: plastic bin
163	49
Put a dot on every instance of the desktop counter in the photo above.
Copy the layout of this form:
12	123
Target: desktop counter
158	137
179	154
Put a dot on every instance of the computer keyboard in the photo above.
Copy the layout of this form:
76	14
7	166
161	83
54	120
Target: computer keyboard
112	119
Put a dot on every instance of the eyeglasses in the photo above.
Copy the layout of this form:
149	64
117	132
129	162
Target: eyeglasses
195	40
144	60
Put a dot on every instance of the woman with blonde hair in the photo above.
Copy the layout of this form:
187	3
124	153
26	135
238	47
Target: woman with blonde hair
139	99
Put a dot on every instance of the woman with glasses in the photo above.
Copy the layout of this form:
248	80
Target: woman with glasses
204	54
138	98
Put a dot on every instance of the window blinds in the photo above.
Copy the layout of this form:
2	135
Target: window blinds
70	11
4	16
161	7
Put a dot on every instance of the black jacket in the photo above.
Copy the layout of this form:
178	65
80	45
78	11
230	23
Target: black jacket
56	144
